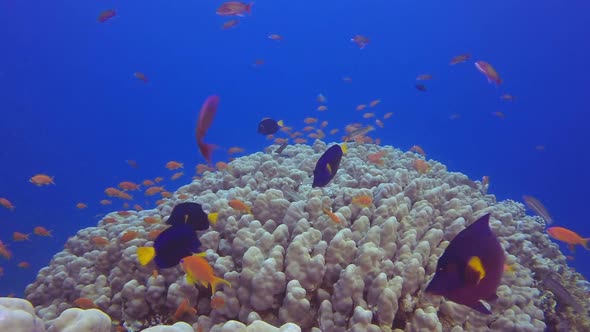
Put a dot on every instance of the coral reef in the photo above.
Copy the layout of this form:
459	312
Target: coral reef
289	262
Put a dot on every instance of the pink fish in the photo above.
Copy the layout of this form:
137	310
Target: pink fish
106	15
235	8
488	71
206	116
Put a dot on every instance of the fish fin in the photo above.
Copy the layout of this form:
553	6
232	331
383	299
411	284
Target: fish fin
201	254
585	243
280	123
145	254
344	148
216	281
249	7
213	218
190	280
572	247
479	306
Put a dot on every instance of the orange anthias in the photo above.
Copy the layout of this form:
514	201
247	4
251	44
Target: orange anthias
570	237
41	231
6	203
197	269
42	180
240	206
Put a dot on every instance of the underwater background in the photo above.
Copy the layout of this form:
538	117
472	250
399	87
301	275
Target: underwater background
71	107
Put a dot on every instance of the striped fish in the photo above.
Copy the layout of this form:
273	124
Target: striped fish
536	206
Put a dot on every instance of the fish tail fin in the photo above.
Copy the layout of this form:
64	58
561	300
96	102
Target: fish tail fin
249	7
344	147
585	243
216	281
145	254
213	218
206	150
280	123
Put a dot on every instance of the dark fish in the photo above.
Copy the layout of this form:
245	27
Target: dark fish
327	165
173	244
421	87
281	148
471	267
269	126
191	214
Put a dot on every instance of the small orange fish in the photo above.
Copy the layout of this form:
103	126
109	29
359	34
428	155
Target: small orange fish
128	236
424	77
152	235
360	40
332	215
105	202
324	124
112	192
151	220
183	309
275	36
460	58
230	24
4	251
124	195
387	115
361	107
368	115
166	194
421	166
418	149
153	190
217	302
124	213
379	123
85	303
322	99
235	149
322	108
499	114
158	179
18	236
132	163
489	72
176	176
106	15
6	203
334	131
147	183
125	205
377	157
128	185
300	141
258	62
42	180
41	231
172	165
109	220
99	240
137	207
141	76
570	237
374	102
81	205
308	128
310	120
23	265
362	200
198	269
240	206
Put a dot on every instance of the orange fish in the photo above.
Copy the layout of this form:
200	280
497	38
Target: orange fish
166	194
99	240
490	73
4	251
332	215
377	157
183	309
421	166
141	76
105	202
460	58
361	107
81	206
418	149
132	163
324	124
322	108
85	303
23	265
240	206
334	131
42	180
124	195
300	140
6	203
379	123
308	128
570	237
172	165
275	36
322	99
109	220
177	175
41	231
137	207
230	24
106	15
368	115
197	269
387	115
499	114
310	120
153	190
128	185
112	192
424	77
158	179
17	236
235	149
151	220
362	200
222	166
152	235
128	236
374	102
360	41
147	183
217	302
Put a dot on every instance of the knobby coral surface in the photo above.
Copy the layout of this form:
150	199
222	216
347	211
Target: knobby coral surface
291	262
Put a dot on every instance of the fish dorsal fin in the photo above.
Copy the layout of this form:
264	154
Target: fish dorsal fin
480	306
476	267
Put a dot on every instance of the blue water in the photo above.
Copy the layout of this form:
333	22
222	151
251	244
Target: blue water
71	107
